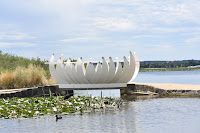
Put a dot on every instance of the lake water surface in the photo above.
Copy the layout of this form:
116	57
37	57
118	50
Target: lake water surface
138	114
175	77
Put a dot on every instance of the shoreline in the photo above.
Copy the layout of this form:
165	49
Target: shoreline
168	69
167	86
133	88
161	89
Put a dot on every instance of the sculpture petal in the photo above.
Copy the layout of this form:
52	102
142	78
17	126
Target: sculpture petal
118	72
73	69
90	71
68	69
137	67
59	73
97	74
111	71
131	69
126	68
52	69
104	72
81	72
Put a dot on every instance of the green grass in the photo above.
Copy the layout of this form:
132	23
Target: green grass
9	62
167	69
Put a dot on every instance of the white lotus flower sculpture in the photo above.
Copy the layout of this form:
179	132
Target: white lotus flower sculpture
72	75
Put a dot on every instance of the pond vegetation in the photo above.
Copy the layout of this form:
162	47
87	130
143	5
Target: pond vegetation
39	106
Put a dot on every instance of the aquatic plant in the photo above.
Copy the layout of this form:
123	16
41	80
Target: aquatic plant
35	107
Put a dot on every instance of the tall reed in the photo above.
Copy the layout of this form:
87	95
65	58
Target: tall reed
23	77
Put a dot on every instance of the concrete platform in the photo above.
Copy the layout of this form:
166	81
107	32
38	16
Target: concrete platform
170	86
134	88
12	90
33	92
131	89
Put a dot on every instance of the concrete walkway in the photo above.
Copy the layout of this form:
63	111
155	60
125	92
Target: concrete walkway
31	92
170	86
162	89
12	90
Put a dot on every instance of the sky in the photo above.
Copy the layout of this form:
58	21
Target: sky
154	29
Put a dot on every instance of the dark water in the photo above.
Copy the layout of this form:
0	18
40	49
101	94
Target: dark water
137	114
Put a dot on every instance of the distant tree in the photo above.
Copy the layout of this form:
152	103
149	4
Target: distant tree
192	62
169	64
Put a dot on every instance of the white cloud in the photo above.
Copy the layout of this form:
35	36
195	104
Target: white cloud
120	44
106	22
181	13
169	29
13	32
137	15
162	46
15	36
78	39
193	41
114	24
144	36
20	44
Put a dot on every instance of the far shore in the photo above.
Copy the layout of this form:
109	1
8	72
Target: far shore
168	69
162	89
166	86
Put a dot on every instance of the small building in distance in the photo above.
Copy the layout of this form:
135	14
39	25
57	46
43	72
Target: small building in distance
197	66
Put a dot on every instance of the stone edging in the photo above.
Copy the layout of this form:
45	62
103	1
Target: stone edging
32	92
140	89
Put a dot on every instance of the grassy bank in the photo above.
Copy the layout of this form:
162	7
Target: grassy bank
23	77
35	107
9	62
167	69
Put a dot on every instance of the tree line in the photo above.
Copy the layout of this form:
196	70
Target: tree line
169	64
11	62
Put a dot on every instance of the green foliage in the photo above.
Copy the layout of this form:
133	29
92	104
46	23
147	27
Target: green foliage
72	60
11	62
169	64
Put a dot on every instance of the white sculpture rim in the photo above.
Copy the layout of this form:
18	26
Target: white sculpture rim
104	75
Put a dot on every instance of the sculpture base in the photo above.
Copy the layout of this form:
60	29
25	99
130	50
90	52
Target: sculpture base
91	86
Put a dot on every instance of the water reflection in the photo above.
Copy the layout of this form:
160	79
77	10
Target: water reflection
138	114
134	97
97	93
